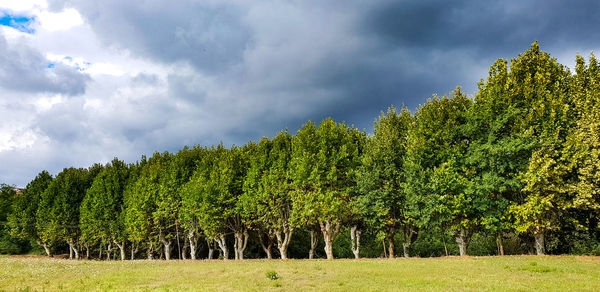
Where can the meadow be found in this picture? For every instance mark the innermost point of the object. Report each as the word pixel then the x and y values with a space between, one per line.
pixel 508 273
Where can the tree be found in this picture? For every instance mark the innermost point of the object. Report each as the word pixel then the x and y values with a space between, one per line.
pixel 215 190
pixel 383 202
pixel 102 208
pixel 58 210
pixel 267 200
pixel 539 88
pixel 168 203
pixel 196 214
pixel 324 160
pixel 438 181
pixel 23 220
pixel 141 203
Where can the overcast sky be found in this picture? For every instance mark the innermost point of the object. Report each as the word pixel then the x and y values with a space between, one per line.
pixel 86 81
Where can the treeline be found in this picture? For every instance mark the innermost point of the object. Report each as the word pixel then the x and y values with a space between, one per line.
pixel 520 162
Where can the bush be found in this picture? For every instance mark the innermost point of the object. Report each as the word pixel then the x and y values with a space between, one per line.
pixel 272 275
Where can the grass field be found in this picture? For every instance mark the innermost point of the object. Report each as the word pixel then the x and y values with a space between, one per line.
pixel 513 273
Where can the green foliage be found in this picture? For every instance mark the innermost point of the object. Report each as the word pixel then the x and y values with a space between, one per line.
pixel 272 275
pixel 382 201
pixel 58 212
pixel 519 162
pixel 102 208
pixel 324 160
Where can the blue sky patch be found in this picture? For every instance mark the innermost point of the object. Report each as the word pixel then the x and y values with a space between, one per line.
pixel 20 23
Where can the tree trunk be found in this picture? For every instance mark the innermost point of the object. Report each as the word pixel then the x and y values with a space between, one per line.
pixel 149 252
pixel 405 247
pixel 223 246
pixel 539 242
pixel 355 238
pixel 330 232
pixel 241 240
pixel 410 235
pixel 500 244
pixel 391 245
pixel 75 250
pixel 284 236
pixel 45 246
pixel 184 251
pixel 121 248
pixel 211 248
pixel 166 245
pixel 108 251
pixel 178 243
pixel 462 238
pixel 313 243
pixel 133 250
pixel 384 248
pixel 266 247
pixel 87 252
pixel 70 250
pixel 193 239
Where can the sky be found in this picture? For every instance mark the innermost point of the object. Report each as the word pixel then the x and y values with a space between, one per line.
pixel 82 82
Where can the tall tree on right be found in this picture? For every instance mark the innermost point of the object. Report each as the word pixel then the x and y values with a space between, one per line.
pixel 532 97
pixel 582 150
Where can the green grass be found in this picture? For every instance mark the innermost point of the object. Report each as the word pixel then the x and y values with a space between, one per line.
pixel 510 273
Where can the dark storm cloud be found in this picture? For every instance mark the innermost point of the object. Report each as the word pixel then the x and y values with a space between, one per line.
pixel 485 27
pixel 242 70
pixel 293 61
pixel 24 69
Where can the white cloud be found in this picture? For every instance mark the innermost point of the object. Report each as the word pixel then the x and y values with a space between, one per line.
pixel 23 5
pixel 63 20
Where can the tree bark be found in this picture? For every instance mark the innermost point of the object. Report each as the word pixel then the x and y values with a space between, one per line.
pixel 330 232
pixel 500 244
pixel 391 245
pixel 211 248
pixel 462 238
pixel 410 235
pixel 133 250
pixel 149 252
pixel 223 246
pixel 45 246
pixel 540 248
pixel 193 239
pixel 355 238
pixel 166 245
pixel 70 250
pixel 108 251
pixel 313 243
pixel 87 252
pixel 121 248
pixel 73 250
pixel 268 246
pixel 184 251
pixel 284 236
pixel 241 240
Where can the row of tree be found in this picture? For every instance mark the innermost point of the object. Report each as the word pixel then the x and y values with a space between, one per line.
pixel 523 157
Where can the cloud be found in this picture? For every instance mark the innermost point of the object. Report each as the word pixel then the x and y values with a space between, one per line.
pixel 158 76
pixel 24 69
